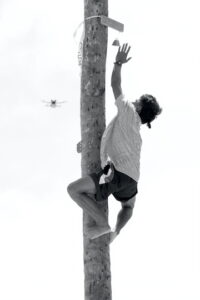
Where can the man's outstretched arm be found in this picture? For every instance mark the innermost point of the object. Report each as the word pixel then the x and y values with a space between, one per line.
pixel 121 58
pixel 116 80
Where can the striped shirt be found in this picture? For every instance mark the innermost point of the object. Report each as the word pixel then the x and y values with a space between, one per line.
pixel 121 142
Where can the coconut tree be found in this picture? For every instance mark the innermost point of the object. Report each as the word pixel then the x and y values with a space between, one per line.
pixel 94 50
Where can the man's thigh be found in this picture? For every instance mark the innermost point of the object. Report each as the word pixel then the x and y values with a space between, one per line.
pixel 83 185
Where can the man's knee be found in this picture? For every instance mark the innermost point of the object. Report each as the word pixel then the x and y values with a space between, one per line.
pixel 72 188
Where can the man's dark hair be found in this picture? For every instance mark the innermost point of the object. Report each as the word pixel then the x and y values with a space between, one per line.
pixel 150 109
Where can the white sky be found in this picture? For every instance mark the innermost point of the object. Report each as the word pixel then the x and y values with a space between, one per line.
pixel 157 255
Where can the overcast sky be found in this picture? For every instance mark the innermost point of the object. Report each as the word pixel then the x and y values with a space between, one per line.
pixel 156 256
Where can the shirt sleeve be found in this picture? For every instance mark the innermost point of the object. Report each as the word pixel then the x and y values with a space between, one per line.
pixel 127 111
pixel 125 106
pixel 120 102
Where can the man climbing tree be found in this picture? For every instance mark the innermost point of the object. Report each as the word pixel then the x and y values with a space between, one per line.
pixel 120 158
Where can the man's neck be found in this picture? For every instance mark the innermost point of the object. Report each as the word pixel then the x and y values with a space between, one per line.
pixel 137 106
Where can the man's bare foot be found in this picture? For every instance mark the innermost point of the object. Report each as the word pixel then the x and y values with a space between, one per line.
pixel 96 231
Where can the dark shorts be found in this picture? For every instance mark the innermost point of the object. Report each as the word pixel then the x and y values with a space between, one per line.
pixel 122 187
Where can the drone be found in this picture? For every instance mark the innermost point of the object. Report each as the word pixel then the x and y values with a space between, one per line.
pixel 53 103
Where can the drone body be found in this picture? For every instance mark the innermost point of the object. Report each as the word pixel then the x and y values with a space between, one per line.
pixel 53 103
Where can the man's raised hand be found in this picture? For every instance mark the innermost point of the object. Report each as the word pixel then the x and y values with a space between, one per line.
pixel 122 54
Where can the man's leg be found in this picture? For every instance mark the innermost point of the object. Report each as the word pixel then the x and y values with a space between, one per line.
pixel 82 191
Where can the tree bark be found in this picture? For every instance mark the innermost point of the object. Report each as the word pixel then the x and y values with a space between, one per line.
pixel 96 252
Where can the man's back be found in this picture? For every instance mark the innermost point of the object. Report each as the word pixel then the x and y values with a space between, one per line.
pixel 121 141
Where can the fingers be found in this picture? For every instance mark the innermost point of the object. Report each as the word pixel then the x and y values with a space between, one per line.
pixel 129 48
pixel 122 53
pixel 125 48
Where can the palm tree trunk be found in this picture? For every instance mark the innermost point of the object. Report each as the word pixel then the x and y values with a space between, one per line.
pixel 96 252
